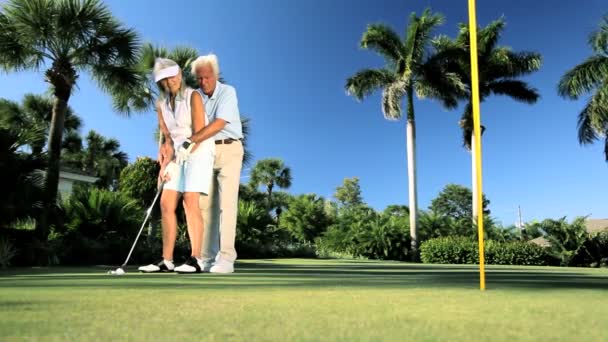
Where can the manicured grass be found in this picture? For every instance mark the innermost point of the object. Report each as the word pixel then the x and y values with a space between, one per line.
pixel 307 300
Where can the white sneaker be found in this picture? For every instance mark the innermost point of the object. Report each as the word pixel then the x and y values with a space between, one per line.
pixel 222 267
pixel 161 266
pixel 190 266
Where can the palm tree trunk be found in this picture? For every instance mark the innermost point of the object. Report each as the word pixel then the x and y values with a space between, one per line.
pixel 474 177
pixel 52 173
pixel 269 190
pixel 411 173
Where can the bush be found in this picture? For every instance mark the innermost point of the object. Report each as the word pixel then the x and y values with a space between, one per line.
pixel 464 250
pixel 567 239
pixel 449 250
pixel 99 228
pixel 29 250
pixel 306 218
pixel 517 253
pixel 362 232
pixel 594 252
pixel 257 235
pixel 7 252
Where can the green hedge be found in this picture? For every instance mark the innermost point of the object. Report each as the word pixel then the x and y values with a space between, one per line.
pixel 464 250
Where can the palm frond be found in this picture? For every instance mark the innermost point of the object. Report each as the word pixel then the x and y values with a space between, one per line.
pixel 15 53
pixel 502 62
pixel 468 126
pixel 586 131
pixel 488 36
pixel 517 90
pixel 366 81
pixel 392 95
pixel 127 87
pixel 448 90
pixel 72 142
pixel 436 81
pixel 584 77
pixel 246 128
pixel 418 34
pixel 598 40
pixel 183 56
pixel 384 40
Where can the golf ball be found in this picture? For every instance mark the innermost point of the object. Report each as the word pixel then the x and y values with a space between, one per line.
pixel 118 271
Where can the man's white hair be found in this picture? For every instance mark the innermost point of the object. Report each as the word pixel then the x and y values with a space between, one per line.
pixel 209 59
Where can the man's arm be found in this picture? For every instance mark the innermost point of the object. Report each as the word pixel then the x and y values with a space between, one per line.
pixel 227 111
pixel 208 131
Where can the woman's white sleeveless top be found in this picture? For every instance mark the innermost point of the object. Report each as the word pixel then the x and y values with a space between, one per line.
pixel 179 121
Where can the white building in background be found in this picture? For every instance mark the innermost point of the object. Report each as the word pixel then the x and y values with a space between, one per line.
pixel 68 177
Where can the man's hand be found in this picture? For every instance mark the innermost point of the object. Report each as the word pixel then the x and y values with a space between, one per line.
pixel 183 152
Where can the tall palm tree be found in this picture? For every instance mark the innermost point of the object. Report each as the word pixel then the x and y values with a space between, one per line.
pixel 270 173
pixel 67 37
pixel 409 68
pixel 499 70
pixel 591 76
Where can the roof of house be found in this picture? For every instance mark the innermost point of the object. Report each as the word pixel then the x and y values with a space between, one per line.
pixel 541 241
pixel 596 225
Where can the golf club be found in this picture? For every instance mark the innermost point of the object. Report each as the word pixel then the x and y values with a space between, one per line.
pixel 121 269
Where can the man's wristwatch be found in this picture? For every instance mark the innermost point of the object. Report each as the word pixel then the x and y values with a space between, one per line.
pixel 187 144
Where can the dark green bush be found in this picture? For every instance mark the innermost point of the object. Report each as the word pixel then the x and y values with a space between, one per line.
pixel 464 250
pixel 449 250
pixel 362 232
pixel 594 252
pixel 517 253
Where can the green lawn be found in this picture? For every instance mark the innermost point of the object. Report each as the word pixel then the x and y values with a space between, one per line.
pixel 307 300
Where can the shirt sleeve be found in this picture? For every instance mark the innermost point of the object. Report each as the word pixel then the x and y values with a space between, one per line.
pixel 227 107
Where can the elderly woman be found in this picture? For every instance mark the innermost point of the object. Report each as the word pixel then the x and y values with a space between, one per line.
pixel 188 176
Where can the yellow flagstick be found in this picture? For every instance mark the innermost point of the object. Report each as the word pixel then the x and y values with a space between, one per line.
pixel 477 132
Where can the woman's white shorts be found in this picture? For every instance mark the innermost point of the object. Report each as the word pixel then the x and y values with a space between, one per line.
pixel 194 175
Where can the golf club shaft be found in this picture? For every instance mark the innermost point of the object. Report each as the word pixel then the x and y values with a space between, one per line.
pixel 148 212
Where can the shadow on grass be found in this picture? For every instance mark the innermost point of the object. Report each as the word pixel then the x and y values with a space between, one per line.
pixel 276 275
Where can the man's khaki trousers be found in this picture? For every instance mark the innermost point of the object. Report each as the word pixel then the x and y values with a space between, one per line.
pixel 219 209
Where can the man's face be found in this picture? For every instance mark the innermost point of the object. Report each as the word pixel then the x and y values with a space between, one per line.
pixel 206 79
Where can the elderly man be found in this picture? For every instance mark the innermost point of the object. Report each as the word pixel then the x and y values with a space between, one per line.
pixel 219 209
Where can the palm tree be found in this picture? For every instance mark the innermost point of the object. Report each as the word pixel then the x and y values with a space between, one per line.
pixel 67 37
pixel 499 71
pixel 591 76
pixel 102 156
pixel 271 172
pixel 409 68
pixel 34 114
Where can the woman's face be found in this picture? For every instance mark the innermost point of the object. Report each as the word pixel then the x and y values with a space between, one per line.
pixel 172 84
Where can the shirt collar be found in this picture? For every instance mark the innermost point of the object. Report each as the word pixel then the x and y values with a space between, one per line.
pixel 218 85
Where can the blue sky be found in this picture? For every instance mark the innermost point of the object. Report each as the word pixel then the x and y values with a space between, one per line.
pixel 289 60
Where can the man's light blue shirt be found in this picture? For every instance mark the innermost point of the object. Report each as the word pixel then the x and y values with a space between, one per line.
pixel 223 104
